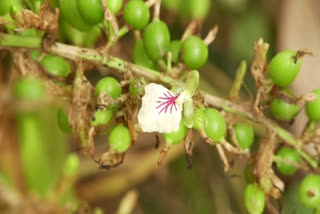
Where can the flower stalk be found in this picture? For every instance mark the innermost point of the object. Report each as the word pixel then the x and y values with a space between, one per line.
pixel 122 66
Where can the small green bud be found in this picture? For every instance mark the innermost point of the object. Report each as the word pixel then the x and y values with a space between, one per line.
pixel 188 113
pixel 35 54
pixel 177 136
pixel 192 83
pixel 137 86
pixel 266 184
pixel 63 121
pixel 254 198
pixel 29 89
pixel 13 11
pixel 200 120
pixel 71 165
pixel 101 117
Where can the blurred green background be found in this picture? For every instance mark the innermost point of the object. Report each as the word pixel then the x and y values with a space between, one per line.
pixel 171 188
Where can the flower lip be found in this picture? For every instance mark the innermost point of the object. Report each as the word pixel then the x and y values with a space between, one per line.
pixel 161 109
pixel 167 101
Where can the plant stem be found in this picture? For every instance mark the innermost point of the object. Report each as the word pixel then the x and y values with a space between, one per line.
pixel 122 66
pixel 308 158
pixel 125 29
pixel 241 72
pixel 10 40
pixel 309 131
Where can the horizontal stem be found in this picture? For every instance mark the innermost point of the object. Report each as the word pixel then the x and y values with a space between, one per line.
pixel 122 66
pixel 11 40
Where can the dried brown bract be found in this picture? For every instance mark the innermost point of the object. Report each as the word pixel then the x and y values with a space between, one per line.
pixel 110 159
pixel 80 109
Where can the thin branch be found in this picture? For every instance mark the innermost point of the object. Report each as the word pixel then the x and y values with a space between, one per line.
pixel 211 35
pixel 241 72
pixel 192 28
pixel 156 13
pixel 122 66
pixel 223 157
pixel 150 3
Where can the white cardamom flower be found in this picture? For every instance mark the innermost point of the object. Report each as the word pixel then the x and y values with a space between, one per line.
pixel 161 109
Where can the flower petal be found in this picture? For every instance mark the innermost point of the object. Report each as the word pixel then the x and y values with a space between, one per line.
pixel 159 111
